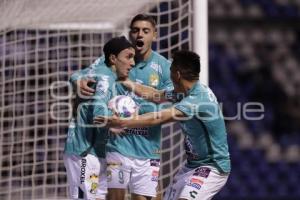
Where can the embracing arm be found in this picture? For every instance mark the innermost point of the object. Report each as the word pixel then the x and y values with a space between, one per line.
pixel 145 120
pixel 81 80
pixel 145 92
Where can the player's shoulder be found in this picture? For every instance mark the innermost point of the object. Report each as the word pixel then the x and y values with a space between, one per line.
pixel 98 63
pixel 160 58
pixel 103 69
pixel 201 92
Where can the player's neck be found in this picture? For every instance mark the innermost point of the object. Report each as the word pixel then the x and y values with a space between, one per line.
pixel 113 68
pixel 187 85
pixel 143 57
pixel 147 55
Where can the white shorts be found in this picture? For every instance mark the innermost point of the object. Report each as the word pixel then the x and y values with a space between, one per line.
pixel 87 175
pixel 194 184
pixel 140 176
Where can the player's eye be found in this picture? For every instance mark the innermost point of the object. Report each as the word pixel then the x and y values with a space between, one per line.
pixel 134 30
pixel 130 56
pixel 146 30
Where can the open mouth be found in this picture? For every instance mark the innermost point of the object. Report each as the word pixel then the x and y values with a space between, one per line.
pixel 139 44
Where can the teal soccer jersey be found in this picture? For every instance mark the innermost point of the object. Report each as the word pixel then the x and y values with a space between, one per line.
pixel 144 143
pixel 83 137
pixel 205 133
pixel 140 142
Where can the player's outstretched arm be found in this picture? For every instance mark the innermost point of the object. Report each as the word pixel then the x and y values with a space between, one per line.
pixel 145 120
pixel 146 92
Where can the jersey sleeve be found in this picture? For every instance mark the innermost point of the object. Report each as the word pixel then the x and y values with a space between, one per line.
pixel 187 106
pixel 203 106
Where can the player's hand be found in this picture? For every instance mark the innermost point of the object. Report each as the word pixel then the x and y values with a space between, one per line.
pixel 117 131
pixel 83 85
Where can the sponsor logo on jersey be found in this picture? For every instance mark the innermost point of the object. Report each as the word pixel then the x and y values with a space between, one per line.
pixel 113 164
pixel 153 80
pixel 195 183
pixel 154 162
pixel 155 174
pixel 82 170
pixel 137 131
pixel 93 179
pixel 202 171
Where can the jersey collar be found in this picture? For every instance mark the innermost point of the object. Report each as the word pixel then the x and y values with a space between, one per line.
pixel 193 88
pixel 143 63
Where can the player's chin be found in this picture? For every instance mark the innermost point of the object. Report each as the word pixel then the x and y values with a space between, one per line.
pixel 143 51
pixel 139 49
pixel 123 76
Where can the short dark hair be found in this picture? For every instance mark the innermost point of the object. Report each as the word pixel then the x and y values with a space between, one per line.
pixel 187 63
pixel 143 17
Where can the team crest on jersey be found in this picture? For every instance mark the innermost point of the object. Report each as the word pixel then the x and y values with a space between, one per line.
pixel 156 67
pixel 94 180
pixel 154 80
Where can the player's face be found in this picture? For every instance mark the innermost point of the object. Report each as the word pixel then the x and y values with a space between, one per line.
pixel 124 62
pixel 142 34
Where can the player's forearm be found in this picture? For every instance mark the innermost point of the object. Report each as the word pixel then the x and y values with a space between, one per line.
pixel 148 119
pixel 147 92
pixel 139 121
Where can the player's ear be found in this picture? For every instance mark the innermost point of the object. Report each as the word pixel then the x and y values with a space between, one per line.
pixel 155 35
pixel 112 59
pixel 178 74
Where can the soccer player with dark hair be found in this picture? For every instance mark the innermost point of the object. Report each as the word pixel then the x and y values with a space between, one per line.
pixel 196 108
pixel 133 158
pixel 85 147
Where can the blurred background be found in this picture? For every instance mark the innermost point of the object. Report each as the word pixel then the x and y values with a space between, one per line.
pixel 254 48
pixel 254 57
